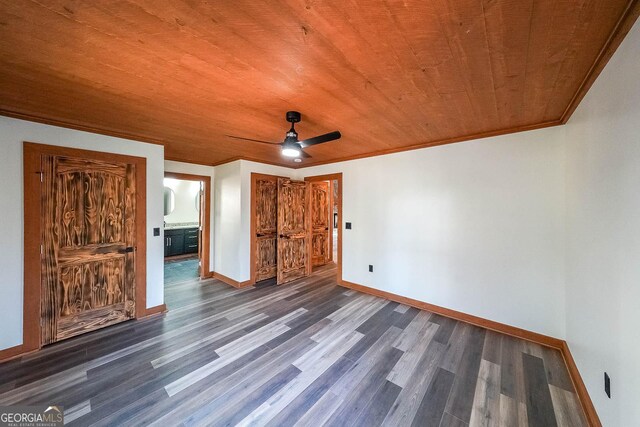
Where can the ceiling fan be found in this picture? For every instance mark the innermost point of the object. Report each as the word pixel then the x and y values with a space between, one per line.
pixel 291 147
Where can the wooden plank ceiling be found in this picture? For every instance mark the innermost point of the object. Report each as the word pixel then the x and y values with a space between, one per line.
pixel 390 74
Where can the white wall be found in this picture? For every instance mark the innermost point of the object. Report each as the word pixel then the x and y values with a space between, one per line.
pixel 186 208
pixel 603 236
pixel 227 227
pixel 475 226
pixel 12 134
pixel 193 169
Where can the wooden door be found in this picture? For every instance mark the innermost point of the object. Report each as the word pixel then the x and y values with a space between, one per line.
pixel 320 223
pixel 266 200
pixel 294 261
pixel 88 245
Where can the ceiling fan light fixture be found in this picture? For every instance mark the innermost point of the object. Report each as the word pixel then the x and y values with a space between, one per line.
pixel 290 152
pixel 291 149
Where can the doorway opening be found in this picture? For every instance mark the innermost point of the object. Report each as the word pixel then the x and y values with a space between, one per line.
pixel 187 219
pixel 326 237
pixel 295 227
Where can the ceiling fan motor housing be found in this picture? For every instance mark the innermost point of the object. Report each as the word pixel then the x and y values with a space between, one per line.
pixel 293 116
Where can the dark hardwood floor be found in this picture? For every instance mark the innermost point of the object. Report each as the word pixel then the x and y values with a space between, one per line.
pixel 308 353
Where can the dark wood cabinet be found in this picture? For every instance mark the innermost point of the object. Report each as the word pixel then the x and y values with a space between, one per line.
pixel 181 241
pixel 191 238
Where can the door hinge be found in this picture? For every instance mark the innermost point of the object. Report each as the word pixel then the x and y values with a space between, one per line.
pixel 41 176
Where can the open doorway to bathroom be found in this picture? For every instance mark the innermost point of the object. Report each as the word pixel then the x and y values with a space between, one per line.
pixel 187 212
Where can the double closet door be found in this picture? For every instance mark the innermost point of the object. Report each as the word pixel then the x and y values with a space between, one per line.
pixel 284 231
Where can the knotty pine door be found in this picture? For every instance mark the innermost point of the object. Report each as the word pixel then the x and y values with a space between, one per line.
pixel 266 202
pixel 294 234
pixel 320 222
pixel 88 245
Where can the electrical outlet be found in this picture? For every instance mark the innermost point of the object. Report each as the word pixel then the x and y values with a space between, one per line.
pixel 347 226
pixel 156 231
pixel 370 268
pixel 607 385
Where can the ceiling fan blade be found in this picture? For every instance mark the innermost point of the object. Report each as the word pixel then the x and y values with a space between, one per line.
pixel 320 139
pixel 304 155
pixel 254 140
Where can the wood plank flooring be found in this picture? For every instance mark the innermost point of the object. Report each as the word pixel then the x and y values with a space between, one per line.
pixel 308 353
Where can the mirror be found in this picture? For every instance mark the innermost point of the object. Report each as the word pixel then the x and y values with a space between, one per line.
pixel 169 201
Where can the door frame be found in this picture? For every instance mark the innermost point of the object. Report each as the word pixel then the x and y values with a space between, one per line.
pixel 205 271
pixel 32 210
pixel 332 177
pixel 253 243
